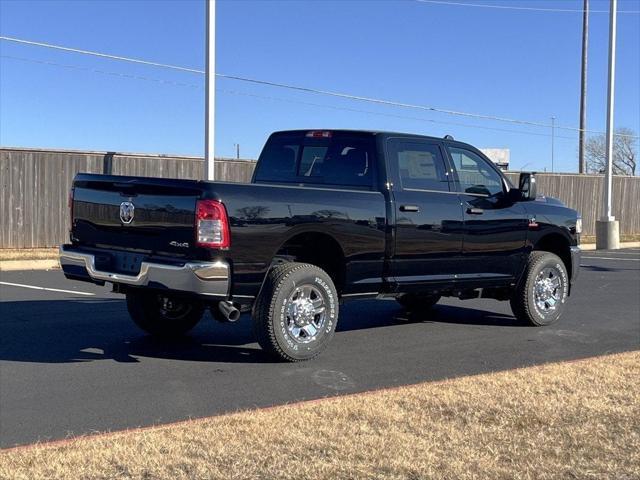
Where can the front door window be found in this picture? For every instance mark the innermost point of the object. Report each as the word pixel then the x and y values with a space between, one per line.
pixel 476 176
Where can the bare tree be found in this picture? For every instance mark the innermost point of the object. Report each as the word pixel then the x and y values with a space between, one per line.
pixel 252 213
pixel 625 156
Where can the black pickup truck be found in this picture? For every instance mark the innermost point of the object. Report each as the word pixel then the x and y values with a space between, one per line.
pixel 330 215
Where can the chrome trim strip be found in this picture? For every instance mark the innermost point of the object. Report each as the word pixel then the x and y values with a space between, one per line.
pixel 443 191
pixel 475 194
pixel 430 191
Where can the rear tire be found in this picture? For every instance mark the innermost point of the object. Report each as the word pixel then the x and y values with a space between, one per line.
pixel 296 313
pixel 541 295
pixel 415 303
pixel 163 315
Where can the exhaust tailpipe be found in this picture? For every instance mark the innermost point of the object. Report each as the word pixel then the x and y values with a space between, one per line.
pixel 228 311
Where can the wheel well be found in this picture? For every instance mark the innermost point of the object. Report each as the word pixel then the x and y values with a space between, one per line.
pixel 558 245
pixel 318 249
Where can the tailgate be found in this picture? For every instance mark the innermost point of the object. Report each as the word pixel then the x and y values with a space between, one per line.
pixel 145 215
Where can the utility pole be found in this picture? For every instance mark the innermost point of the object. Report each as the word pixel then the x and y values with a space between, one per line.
pixel 607 228
pixel 553 140
pixel 237 145
pixel 582 168
pixel 210 91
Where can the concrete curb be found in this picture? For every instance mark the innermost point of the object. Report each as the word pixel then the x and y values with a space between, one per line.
pixel 592 246
pixel 53 264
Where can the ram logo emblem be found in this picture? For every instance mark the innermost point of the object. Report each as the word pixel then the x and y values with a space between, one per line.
pixel 127 210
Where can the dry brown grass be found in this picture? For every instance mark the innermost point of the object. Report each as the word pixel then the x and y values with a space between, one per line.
pixel 624 237
pixel 567 420
pixel 28 253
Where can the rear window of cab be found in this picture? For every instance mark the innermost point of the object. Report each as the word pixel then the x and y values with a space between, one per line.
pixel 319 157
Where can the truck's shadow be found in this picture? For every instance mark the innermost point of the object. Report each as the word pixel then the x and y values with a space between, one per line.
pixel 82 330
pixel 459 315
pixel 600 268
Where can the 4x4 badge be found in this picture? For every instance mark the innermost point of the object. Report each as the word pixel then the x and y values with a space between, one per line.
pixel 127 210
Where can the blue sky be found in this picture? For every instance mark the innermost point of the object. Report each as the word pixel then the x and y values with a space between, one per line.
pixel 507 63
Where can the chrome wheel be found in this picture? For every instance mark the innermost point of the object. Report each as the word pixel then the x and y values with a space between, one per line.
pixel 548 290
pixel 305 314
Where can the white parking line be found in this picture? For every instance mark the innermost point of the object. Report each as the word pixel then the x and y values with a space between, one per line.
pixel 618 253
pixel 616 258
pixel 33 287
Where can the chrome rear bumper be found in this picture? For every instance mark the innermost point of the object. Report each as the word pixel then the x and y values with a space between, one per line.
pixel 202 278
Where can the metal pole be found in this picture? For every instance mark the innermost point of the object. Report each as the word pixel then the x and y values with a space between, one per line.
pixel 553 140
pixel 210 91
pixel 582 168
pixel 606 213
pixel 608 228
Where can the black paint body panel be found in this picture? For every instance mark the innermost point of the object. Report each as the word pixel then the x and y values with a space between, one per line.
pixel 263 217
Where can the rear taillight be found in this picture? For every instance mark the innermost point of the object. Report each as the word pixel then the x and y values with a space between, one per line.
pixel 70 206
pixel 212 225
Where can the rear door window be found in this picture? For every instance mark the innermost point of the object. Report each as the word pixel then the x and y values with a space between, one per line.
pixel 420 165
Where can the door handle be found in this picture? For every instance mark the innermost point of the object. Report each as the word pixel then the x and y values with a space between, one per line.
pixel 475 211
pixel 409 208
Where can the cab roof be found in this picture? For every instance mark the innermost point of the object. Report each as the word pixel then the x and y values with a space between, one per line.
pixel 383 133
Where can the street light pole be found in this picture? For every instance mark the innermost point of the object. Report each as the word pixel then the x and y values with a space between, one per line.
pixel 583 87
pixel 553 140
pixel 210 91
pixel 608 229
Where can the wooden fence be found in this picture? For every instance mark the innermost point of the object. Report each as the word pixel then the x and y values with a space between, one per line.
pixel 585 194
pixel 35 183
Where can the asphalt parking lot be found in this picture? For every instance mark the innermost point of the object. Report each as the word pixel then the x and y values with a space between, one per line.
pixel 71 361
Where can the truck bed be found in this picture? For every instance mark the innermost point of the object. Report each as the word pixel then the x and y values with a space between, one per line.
pixel 262 218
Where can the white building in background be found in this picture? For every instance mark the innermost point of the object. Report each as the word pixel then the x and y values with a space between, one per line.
pixel 499 156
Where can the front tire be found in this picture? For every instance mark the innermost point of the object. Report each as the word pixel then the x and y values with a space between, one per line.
pixel 163 315
pixel 540 297
pixel 296 313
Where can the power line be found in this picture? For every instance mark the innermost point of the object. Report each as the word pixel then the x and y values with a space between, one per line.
pixel 380 101
pixel 266 97
pixel 404 117
pixel 512 7
pixel 98 54
pixel 403 105
pixel 306 89
pixel 102 72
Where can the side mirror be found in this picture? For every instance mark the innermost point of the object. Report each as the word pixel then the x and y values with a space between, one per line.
pixel 527 186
